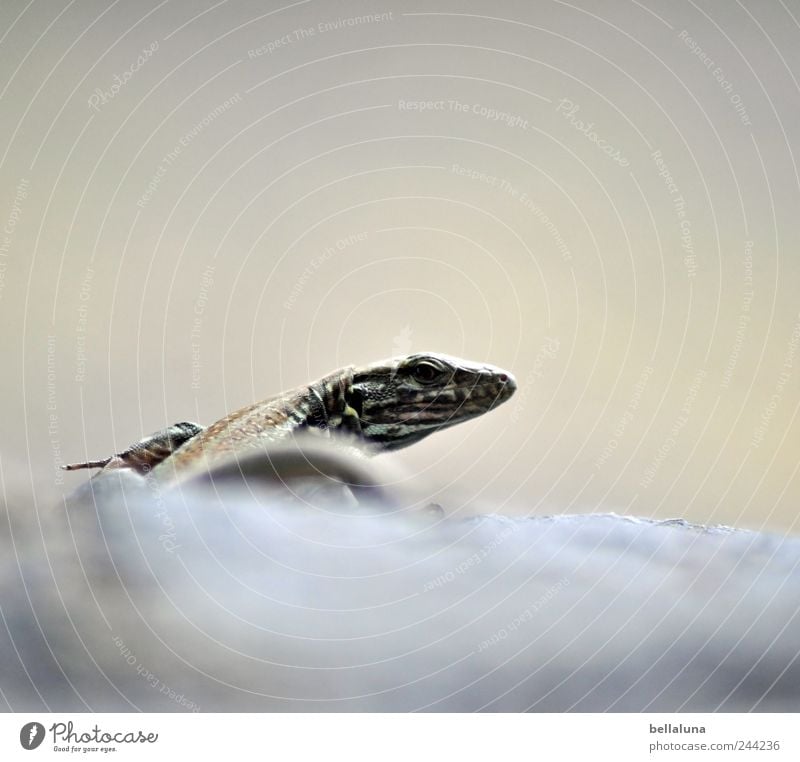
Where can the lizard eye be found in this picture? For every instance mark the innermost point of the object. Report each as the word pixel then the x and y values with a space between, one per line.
pixel 426 372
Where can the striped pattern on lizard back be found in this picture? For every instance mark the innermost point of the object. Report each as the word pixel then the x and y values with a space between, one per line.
pixel 382 406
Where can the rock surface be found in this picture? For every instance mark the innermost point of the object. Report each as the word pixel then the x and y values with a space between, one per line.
pixel 219 598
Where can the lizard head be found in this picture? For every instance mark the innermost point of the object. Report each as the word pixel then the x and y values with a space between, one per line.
pixel 404 399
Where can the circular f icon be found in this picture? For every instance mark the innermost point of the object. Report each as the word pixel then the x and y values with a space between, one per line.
pixel 31 735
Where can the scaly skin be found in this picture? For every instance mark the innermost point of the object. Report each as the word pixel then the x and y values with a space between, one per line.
pixel 383 406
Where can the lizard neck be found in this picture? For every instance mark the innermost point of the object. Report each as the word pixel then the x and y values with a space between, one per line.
pixel 327 402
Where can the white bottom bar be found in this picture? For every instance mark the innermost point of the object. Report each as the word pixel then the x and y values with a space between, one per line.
pixel 403 737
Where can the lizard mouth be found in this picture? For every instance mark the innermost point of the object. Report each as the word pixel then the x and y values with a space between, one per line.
pixel 506 388
pixel 442 412
pixel 491 393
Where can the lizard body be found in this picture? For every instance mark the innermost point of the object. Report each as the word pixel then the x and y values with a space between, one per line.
pixel 383 406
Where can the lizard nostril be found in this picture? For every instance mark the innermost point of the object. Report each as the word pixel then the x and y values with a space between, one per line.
pixel 503 377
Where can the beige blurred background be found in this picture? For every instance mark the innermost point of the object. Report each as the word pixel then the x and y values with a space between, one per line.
pixel 203 203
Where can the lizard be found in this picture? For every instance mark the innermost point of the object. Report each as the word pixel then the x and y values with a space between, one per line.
pixel 381 407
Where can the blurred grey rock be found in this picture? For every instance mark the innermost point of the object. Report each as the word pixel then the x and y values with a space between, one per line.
pixel 221 597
